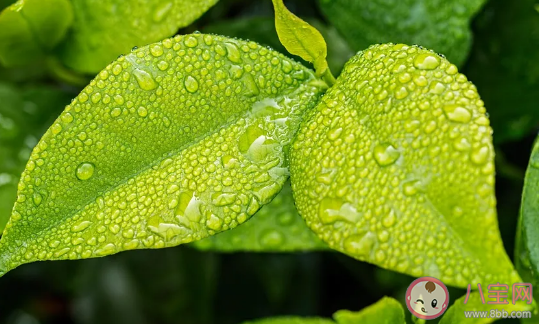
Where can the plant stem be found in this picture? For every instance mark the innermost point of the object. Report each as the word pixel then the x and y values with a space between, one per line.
pixel 328 77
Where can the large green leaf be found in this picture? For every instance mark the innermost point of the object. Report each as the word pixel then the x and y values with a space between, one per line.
pixel 503 65
pixel 24 117
pixel 174 142
pixel 102 30
pixel 276 227
pixel 442 25
pixel 527 241
pixel 395 167
pixel 31 28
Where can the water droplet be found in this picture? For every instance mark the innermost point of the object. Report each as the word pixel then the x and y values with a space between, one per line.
pixel 191 84
pixel 80 226
pixel 251 89
pixel 334 209
pixel 360 245
pixel 85 171
pixel 390 219
pixel 214 223
pixel 457 114
pixel 188 208
pixel 168 231
pixel 410 188
pixel 156 50
pixel 271 239
pixel 191 41
pixel 426 61
pixel 106 250
pixel 37 199
pixel 142 112
pixel 233 53
pixel 224 199
pixel 385 154
pixel 401 93
pixel 144 80
pixel 480 155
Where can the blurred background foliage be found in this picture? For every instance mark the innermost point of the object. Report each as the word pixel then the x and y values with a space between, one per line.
pixel 496 44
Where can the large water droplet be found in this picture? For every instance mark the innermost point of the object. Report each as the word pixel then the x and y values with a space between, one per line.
pixel 334 209
pixel 144 80
pixel 191 84
pixel 426 61
pixel 480 155
pixel 188 209
pixel 385 154
pixel 233 53
pixel 360 245
pixel 457 114
pixel 85 171
pixel 251 89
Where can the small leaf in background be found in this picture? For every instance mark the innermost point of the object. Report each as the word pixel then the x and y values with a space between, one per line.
pixel 30 29
pixel 386 311
pixel 276 227
pixel 174 142
pixel 300 38
pixel 503 65
pixel 262 30
pixel 527 240
pixel 460 312
pixel 291 320
pixel 25 115
pixel 395 167
pixel 102 30
pixel 442 25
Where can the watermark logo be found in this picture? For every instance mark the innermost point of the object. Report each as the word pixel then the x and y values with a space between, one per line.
pixel 427 298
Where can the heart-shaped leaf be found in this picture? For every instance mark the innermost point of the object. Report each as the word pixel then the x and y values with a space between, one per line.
pixel 395 167
pixel 31 28
pixel 276 227
pixel 174 142
pixel 102 30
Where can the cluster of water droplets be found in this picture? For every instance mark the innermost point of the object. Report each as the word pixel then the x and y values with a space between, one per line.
pixel 174 142
pixel 395 166
pixel 276 227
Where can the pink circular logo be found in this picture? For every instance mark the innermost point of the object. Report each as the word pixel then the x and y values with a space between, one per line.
pixel 427 298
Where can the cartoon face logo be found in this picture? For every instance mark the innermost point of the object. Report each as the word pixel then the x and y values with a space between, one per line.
pixel 427 298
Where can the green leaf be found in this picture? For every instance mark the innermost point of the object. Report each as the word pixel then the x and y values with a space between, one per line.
pixel 276 227
pixel 527 240
pixel 262 30
pixel 24 117
pixel 442 25
pixel 464 313
pixel 105 29
pixel 395 167
pixel 172 143
pixel 300 38
pixel 503 65
pixel 291 320
pixel 386 311
pixel 31 28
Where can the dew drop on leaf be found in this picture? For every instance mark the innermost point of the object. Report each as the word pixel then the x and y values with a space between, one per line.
pixel 85 171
